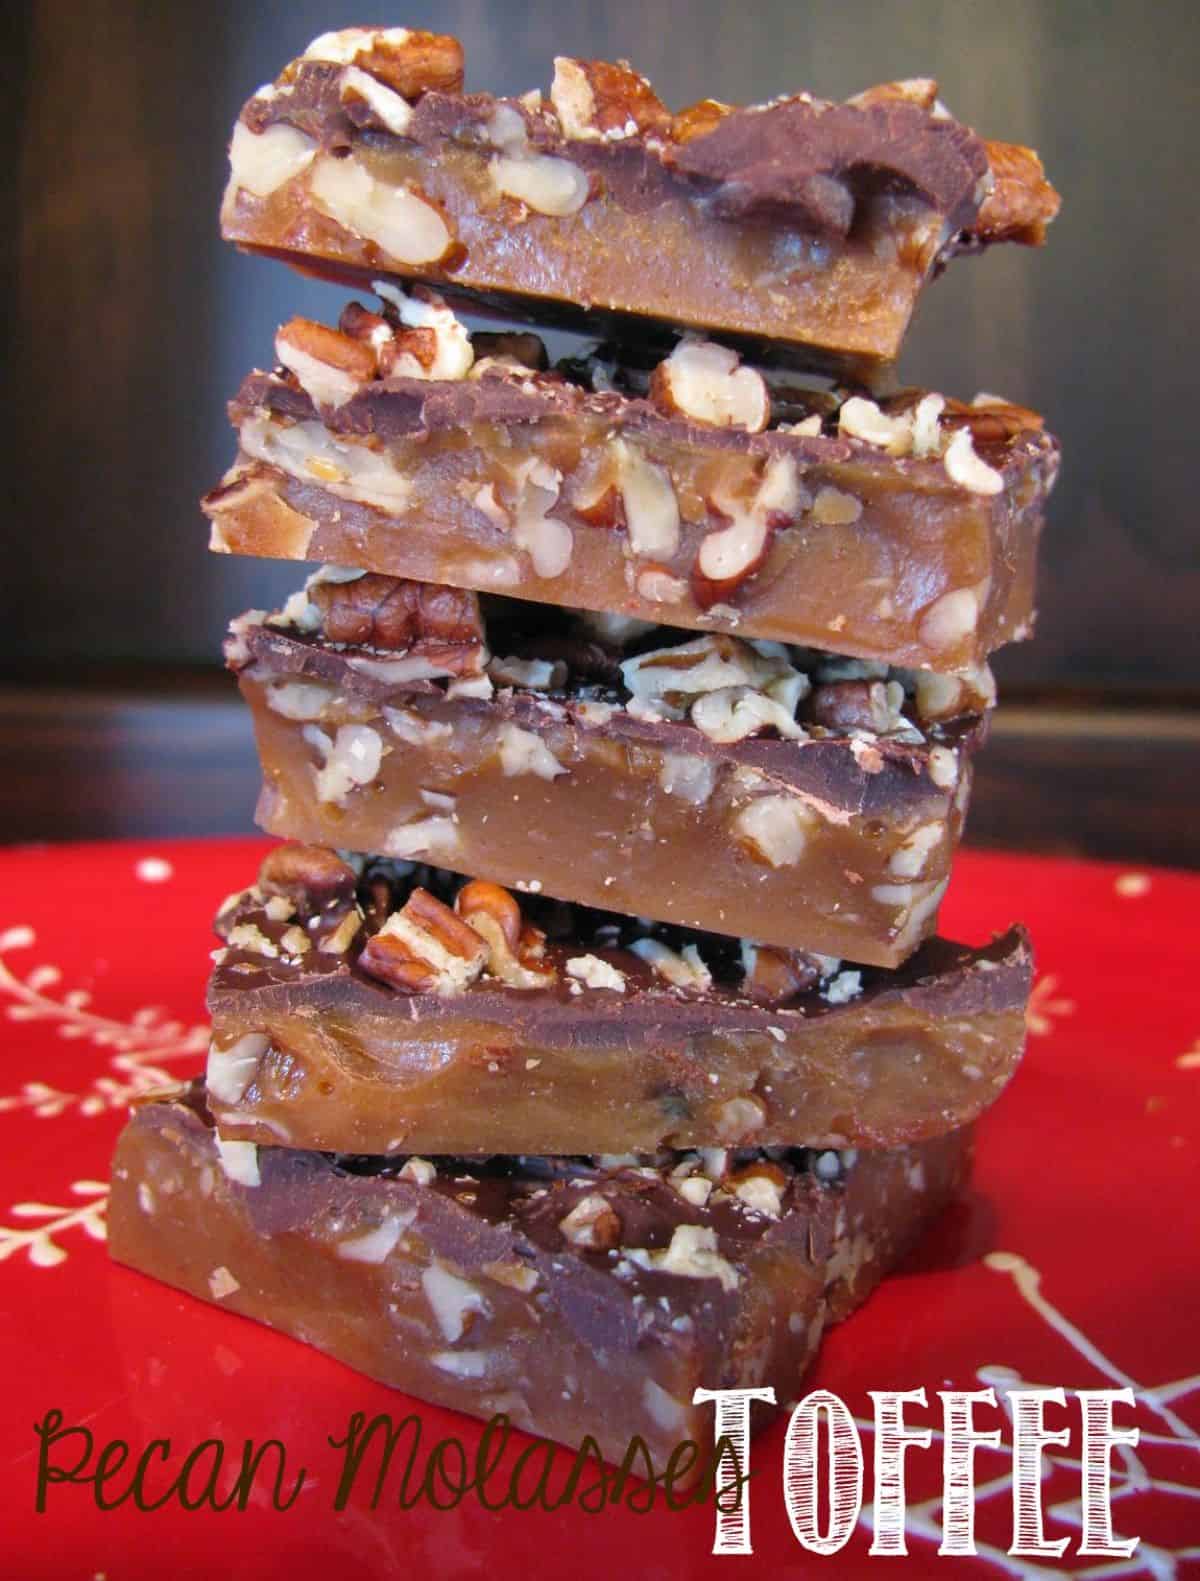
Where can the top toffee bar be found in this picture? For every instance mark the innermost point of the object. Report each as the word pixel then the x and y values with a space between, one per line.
pixel 799 223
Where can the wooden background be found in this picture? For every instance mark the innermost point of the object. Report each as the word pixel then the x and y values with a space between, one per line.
pixel 130 325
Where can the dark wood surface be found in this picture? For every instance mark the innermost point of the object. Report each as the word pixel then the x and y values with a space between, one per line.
pixel 117 760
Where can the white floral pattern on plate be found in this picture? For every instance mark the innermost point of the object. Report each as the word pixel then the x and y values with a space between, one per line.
pixel 141 1045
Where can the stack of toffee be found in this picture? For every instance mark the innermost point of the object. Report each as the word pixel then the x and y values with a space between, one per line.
pixel 590 1043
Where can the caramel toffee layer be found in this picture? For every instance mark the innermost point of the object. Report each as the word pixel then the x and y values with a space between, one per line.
pixel 694 491
pixel 592 758
pixel 383 1007
pixel 525 1285
pixel 799 221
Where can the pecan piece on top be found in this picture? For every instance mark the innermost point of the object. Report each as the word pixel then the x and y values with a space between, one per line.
pixel 335 347
pixel 389 612
pixel 698 119
pixel 921 91
pixel 992 420
pixel 425 948
pixel 311 877
pixel 514 947
pixel 521 346
pixel 420 63
pixel 1021 203
pixel 598 98
pixel 857 705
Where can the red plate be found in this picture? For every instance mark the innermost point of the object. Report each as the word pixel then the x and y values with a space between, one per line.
pixel 1072 1264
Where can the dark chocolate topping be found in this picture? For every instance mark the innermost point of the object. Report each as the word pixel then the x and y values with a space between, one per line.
pixel 818 162
pixel 799 161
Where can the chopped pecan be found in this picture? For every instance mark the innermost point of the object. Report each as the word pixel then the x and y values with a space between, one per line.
pixel 422 63
pixel 698 119
pixel 425 948
pixel 760 1186
pixel 730 556
pixel 707 590
pixel 360 323
pixel 389 612
pixel 592 1224
pixel 706 382
pixel 1021 203
pixel 775 976
pixel 921 91
pixel 427 339
pixel 513 947
pixel 856 705
pixel 595 98
pixel 420 343
pixel 328 366
pixel 310 876
pixel 516 345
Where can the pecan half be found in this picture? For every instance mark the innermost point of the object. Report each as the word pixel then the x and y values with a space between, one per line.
pixel 329 367
pixel 330 346
pixel 424 948
pixel 360 323
pixel 389 612
pixel 310 876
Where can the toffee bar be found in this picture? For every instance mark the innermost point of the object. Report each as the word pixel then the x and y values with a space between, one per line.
pixel 594 759
pixel 530 1286
pixel 694 491
pixel 799 221
pixel 397 1009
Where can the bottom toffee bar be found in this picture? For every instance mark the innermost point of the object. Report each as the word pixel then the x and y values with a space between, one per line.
pixel 578 1296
